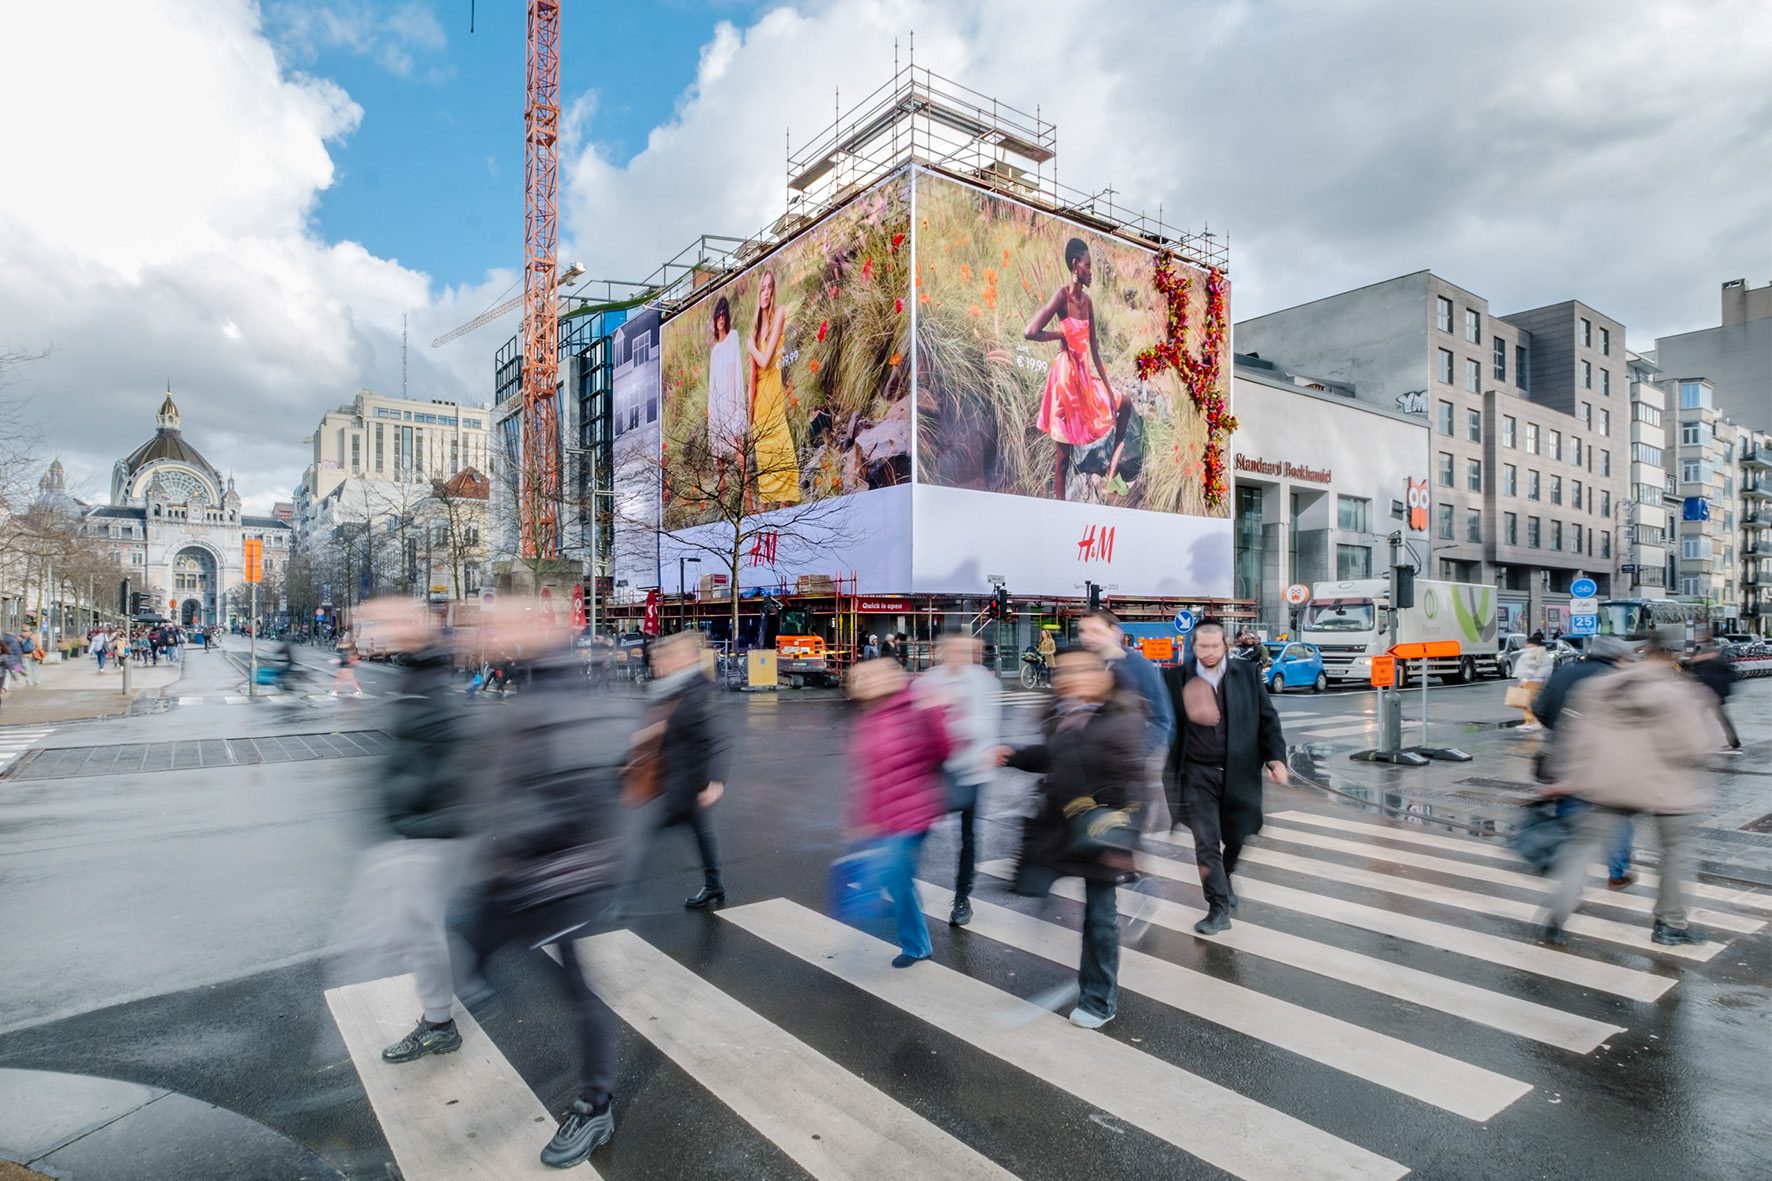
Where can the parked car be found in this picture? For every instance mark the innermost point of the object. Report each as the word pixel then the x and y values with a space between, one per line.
pixel 1295 665
pixel 1561 650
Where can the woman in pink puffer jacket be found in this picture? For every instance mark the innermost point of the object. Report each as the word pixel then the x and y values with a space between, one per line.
pixel 898 747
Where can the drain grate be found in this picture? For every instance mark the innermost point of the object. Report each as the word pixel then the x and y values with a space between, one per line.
pixel 79 762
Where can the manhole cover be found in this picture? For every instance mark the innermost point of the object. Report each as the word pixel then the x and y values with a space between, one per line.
pixel 79 762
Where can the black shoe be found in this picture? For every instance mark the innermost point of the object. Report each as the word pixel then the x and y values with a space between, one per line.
pixel 1554 935
pixel 1217 919
pixel 962 913
pixel 1676 936
pixel 582 1132
pixel 708 897
pixel 425 1039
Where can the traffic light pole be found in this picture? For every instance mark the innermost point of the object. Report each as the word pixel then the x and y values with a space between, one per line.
pixel 252 680
pixel 124 648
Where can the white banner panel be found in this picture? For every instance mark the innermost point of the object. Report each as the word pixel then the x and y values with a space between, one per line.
pixel 867 533
pixel 1049 547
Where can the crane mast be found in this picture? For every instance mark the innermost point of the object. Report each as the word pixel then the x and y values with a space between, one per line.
pixel 539 491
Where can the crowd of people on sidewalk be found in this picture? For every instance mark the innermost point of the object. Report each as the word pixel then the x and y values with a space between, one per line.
pixel 534 825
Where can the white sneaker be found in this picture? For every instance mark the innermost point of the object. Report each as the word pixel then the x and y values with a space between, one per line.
pixel 1084 1019
pixel 1528 727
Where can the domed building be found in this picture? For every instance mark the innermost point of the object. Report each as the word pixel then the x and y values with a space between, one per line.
pixel 176 527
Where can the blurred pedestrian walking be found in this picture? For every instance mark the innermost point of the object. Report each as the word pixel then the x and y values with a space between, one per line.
pixel 1092 762
pixel 970 698
pixel 897 750
pixel 1712 668
pixel 1228 732
pixel 1531 671
pixel 1604 654
pixel 1631 742
pixel 347 669
pixel 680 754
pixel 1101 633
pixel 553 842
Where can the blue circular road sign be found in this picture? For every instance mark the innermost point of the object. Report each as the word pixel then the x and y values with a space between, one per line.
pixel 1184 622
pixel 1584 588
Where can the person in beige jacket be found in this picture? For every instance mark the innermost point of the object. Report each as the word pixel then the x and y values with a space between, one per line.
pixel 1633 742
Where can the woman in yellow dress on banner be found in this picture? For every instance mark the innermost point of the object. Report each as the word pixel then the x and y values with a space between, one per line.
pixel 776 463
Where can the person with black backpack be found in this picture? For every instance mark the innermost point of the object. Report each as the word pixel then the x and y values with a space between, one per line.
pixel 1712 668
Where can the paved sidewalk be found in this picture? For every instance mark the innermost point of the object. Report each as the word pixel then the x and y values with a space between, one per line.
pixel 73 690
pixel 1483 795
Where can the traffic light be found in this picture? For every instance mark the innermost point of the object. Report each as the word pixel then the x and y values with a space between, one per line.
pixel 1094 589
pixel 123 603
pixel 1000 608
pixel 1403 578
pixel 141 603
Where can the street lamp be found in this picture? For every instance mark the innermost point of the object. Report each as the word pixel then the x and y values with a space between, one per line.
pixel 682 588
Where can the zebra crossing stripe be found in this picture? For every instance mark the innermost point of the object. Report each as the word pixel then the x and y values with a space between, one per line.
pixel 1378 1058
pixel 1628 934
pixel 466 1115
pixel 1213 1123
pixel 1744 899
pixel 832 1123
pixel 1498 876
pixel 1513 1015
pixel 1631 983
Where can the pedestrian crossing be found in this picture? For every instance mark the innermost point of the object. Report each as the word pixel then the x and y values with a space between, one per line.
pixel 1386 984
pixel 16 741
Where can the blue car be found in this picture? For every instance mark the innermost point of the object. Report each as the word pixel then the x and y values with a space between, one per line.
pixel 1294 665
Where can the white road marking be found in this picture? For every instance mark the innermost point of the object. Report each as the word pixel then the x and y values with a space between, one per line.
pixel 1216 1124
pixel 1510 1014
pixel 828 1121
pixel 464 1115
pixel 1378 1058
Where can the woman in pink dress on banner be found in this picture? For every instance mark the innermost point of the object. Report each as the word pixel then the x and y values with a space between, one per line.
pixel 1079 407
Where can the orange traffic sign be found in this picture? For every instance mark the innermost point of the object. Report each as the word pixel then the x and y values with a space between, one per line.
pixel 1425 651
pixel 1384 671
pixel 255 559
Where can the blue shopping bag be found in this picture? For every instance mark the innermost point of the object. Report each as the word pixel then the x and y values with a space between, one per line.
pixel 856 888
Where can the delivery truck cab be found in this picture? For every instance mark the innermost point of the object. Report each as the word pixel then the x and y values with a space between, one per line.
pixel 1347 622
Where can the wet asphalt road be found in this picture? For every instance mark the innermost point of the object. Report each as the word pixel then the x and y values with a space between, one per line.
pixel 168 928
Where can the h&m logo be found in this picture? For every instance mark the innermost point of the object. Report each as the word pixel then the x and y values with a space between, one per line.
pixel 763 547
pixel 1096 544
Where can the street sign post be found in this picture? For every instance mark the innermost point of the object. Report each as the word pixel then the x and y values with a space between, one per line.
pixel 1584 625
pixel 1184 621
pixel 255 573
pixel 1584 588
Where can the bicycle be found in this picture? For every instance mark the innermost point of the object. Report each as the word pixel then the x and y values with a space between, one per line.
pixel 1035 672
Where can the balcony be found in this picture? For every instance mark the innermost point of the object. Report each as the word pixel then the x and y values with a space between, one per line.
pixel 1760 578
pixel 1759 519
pixel 1757 459
pixel 1757 491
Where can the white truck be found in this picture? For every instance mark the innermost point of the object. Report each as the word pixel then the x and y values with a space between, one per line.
pixel 1346 621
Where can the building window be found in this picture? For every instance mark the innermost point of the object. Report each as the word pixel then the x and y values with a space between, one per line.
pixel 1473 525
pixel 1575 494
pixel 1445 470
pixel 1443 369
pixel 1691 471
pixel 1587 333
pixel 1556 535
pixel 1473 326
pixel 1520 366
pixel 1473 475
pixel 1353 514
pixel 1533 531
pixel 1606 504
pixel 1606 382
pixel 380 464
pixel 1473 425
pixel 1606 422
pixel 1500 359
pixel 1556 490
pixel 1646 454
pixel 1646 412
pixel 1443 314
pixel 1575 538
pixel 1508 426
pixel 1445 418
pixel 1353 561
pixel 1555 449
pixel 1575 451
pixel 1444 512
pixel 1473 375
pixel 356 453
pixel 1587 415
pixel 1510 480
pixel 1510 528
pixel 1531 485
pixel 1606 341
pixel 1691 395
pixel 1531 438
pixel 1689 586
pixel 1587 375
pixel 1689 434
pixel 1690 548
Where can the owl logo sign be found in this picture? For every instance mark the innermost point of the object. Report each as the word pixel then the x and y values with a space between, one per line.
pixel 1417 502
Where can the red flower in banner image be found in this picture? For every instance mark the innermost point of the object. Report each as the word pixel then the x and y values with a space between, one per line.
pixel 898 306
pixel 966 272
pixel 813 364
pixel 867 268
pixel 831 291
pixel 824 326
pixel 897 241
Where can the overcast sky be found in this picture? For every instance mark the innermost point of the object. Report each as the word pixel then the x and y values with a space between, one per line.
pixel 245 200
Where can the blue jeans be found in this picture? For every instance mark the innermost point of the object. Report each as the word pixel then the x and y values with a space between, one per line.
pixel 901 883
pixel 1618 855
pixel 1098 975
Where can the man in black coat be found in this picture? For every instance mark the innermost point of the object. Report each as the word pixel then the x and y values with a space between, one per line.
pixel 1227 731
pixel 691 751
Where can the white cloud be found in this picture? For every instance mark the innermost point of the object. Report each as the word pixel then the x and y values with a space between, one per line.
pixel 172 240
pixel 1530 152
pixel 394 38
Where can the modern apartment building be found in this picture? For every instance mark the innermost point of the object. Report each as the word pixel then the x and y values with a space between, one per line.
pixel 1736 356
pixel 1725 492
pixel 1651 510
pixel 1528 419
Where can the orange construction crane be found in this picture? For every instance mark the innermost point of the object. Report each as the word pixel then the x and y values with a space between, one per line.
pixel 539 495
